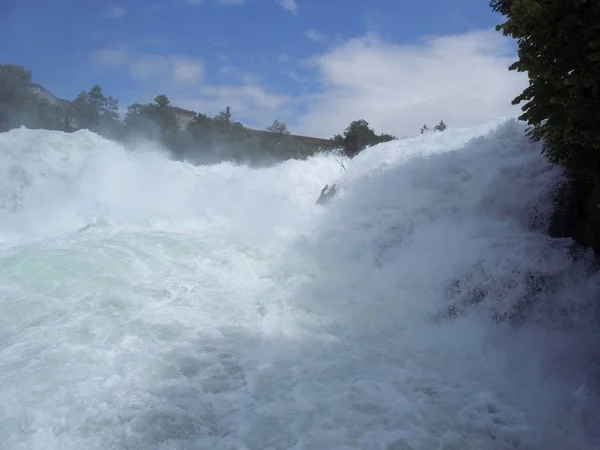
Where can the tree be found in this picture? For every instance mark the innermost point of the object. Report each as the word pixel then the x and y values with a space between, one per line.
pixel 156 121
pixel 278 127
pixel 440 126
pixel 97 112
pixel 337 141
pixel 501 6
pixel 357 136
pixel 14 94
pixel 162 112
pixel 23 103
pixel 209 138
pixel 559 48
pixel 222 122
pixel 162 102
pixel 106 107
pixel 219 139
pixel 17 104
pixel 201 129
pixel 385 137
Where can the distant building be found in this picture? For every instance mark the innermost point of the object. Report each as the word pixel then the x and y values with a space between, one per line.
pixel 184 116
pixel 70 111
pixel 41 92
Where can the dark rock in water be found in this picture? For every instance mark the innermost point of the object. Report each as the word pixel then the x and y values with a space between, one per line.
pixel 508 299
pixel 326 194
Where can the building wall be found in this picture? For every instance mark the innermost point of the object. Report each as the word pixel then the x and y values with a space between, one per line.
pixel 184 116
pixel 183 119
pixel 38 90
pixel 67 106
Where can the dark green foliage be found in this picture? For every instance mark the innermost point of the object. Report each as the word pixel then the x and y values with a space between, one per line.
pixel 97 112
pixel 385 137
pixel 559 48
pixel 277 143
pixel 220 139
pixel 155 121
pixel 501 6
pixel 201 129
pixel 278 127
pixel 440 126
pixel 204 140
pixel 337 141
pixel 358 136
pixel 14 93
pixel 280 142
pixel 46 115
pixel 19 106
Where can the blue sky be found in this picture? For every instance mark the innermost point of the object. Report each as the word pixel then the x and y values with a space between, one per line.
pixel 311 63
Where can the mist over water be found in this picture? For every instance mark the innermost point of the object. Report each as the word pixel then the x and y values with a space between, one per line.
pixel 151 304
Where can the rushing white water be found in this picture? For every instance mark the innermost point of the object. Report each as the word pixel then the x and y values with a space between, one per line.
pixel 151 304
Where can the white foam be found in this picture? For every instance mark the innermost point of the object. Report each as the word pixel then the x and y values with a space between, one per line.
pixel 151 304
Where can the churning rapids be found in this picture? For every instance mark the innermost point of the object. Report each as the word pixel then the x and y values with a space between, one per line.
pixel 153 304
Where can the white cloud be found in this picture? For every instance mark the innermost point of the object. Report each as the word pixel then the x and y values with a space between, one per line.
pixel 250 104
pixel 296 76
pixel 186 70
pixel 176 69
pixel 179 77
pixel 114 12
pixel 289 5
pixel 110 57
pixel 228 70
pixel 462 79
pixel 314 35
pixel 243 76
pixel 256 95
